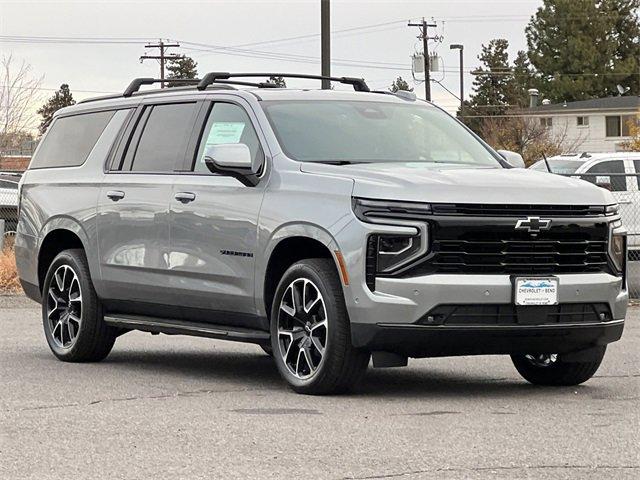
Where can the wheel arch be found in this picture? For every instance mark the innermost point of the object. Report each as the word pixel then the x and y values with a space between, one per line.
pixel 59 234
pixel 288 245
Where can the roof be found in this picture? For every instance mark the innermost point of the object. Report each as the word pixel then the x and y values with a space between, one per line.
pixel 597 156
pixel 609 103
pixel 120 101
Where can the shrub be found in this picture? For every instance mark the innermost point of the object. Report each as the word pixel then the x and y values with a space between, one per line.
pixel 8 274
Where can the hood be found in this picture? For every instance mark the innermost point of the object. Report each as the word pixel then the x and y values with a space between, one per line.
pixel 423 182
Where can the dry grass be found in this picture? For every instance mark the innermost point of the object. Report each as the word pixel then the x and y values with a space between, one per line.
pixel 8 274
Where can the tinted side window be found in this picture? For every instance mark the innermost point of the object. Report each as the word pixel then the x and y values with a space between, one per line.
pixel 164 139
pixel 618 182
pixel 636 166
pixel 70 140
pixel 227 123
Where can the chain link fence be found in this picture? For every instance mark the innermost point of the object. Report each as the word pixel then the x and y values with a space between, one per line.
pixel 8 205
pixel 625 188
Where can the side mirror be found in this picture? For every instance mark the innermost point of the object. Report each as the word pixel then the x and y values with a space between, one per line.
pixel 232 159
pixel 514 159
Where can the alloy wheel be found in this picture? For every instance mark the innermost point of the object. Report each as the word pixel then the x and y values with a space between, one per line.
pixel 302 328
pixel 542 360
pixel 64 306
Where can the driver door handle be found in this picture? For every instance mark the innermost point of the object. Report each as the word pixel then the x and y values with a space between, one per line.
pixel 185 197
pixel 115 195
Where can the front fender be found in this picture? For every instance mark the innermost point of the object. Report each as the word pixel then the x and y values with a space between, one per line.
pixel 289 230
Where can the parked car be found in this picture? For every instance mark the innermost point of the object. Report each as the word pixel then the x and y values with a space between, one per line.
pixel 617 172
pixel 326 226
pixel 9 200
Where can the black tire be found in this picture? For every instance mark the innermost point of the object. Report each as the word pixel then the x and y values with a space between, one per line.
pixel 94 338
pixel 342 366
pixel 558 373
pixel 267 349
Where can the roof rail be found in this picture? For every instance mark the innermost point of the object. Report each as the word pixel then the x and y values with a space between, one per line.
pixel 359 85
pixel 136 83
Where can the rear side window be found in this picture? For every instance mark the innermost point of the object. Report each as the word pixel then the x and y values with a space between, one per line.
pixel 164 137
pixel 70 140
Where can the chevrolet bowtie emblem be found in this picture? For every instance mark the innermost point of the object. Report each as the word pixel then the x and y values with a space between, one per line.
pixel 533 224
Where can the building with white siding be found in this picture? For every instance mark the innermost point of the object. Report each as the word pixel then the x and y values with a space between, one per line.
pixel 599 125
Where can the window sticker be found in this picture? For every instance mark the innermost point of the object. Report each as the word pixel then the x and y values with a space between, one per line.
pixel 225 132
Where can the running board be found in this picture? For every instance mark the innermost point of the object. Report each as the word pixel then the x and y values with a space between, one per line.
pixel 181 327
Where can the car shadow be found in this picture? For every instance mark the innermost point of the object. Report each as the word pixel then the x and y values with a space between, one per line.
pixel 246 370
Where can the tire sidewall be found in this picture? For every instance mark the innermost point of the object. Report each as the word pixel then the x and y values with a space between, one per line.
pixel 67 258
pixel 303 270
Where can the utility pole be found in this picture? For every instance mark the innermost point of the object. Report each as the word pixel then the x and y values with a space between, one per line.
pixel 325 41
pixel 424 36
pixel 163 57
pixel 460 47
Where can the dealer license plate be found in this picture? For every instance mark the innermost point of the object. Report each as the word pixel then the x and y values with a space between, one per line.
pixel 536 291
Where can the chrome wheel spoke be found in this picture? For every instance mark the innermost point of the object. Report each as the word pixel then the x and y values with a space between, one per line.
pixel 307 359
pixel 316 343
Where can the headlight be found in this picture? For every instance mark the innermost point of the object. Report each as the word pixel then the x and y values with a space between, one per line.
pixel 617 250
pixel 386 252
pixel 611 210
pixel 394 251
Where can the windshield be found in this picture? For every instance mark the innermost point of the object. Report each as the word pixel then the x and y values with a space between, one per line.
pixel 373 132
pixel 558 166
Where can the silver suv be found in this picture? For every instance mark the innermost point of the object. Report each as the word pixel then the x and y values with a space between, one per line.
pixel 326 226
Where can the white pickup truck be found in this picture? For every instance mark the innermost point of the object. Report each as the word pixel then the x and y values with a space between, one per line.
pixel 617 172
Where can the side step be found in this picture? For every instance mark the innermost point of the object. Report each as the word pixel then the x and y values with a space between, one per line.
pixel 181 327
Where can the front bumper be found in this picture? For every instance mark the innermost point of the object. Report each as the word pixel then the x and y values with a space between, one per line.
pixel 406 300
pixel 435 341
pixel 392 318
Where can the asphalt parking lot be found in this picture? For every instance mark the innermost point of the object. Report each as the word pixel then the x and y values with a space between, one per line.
pixel 181 407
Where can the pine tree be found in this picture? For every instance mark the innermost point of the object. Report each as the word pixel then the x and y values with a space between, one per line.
pixel 493 86
pixel 182 67
pixel 400 84
pixel 61 98
pixel 279 81
pixel 583 49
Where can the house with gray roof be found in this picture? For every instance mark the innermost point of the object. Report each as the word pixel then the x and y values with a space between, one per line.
pixel 597 125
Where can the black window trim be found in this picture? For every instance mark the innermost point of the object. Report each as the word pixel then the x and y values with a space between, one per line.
pixel 131 136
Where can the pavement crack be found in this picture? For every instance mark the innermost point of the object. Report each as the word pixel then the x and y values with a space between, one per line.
pixel 178 394
pixel 494 468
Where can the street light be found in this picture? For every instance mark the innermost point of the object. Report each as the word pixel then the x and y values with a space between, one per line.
pixel 458 46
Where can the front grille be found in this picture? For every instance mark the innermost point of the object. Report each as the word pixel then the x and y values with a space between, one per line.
pixel 506 314
pixel 495 210
pixel 499 248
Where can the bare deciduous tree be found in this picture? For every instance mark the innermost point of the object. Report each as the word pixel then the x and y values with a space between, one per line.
pixel 19 93
pixel 633 144
pixel 527 137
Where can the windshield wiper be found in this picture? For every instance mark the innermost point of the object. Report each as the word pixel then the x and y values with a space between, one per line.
pixel 340 162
